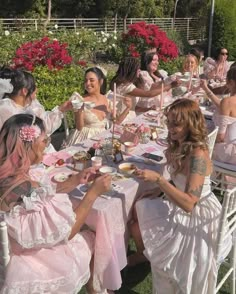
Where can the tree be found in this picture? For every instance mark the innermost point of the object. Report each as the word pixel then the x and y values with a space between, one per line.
pixel 224 30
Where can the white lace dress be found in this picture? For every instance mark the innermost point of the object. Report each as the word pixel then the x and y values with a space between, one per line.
pixel 181 246
pixel 148 81
pixel 123 90
pixel 93 126
pixel 42 259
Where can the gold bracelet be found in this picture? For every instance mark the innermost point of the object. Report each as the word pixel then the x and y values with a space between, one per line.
pixel 158 180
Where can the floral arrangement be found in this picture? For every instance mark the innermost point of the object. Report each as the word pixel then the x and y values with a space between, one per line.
pixel 45 52
pixel 142 129
pixel 142 37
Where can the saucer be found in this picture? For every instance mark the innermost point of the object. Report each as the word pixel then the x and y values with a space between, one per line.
pixel 62 177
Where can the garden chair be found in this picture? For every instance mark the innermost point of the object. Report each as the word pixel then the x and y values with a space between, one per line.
pixel 227 227
pixel 225 173
pixel 4 250
pixel 211 140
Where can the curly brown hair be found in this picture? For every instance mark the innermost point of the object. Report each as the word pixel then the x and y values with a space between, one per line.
pixel 186 113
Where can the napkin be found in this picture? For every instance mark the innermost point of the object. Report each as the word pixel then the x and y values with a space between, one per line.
pixel 52 158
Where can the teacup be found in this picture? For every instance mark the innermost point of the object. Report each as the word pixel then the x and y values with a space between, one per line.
pixel 127 168
pixel 77 104
pixel 107 170
pixel 96 161
pixel 129 147
pixel 76 96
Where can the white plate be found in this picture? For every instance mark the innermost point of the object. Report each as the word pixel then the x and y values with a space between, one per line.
pixel 61 177
pixel 152 113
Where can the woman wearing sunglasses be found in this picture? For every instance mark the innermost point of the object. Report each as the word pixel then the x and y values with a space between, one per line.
pixel 217 67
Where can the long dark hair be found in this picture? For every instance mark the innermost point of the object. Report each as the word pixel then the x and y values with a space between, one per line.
pixel 217 51
pixel 101 78
pixel 146 59
pixel 19 79
pixel 127 72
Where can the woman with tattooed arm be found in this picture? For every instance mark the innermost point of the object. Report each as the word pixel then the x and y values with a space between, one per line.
pixel 175 225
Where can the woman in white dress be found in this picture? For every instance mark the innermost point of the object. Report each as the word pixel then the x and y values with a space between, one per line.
pixel 49 253
pixel 19 96
pixel 91 122
pixel 150 78
pixel 125 79
pixel 176 223
pixel 225 147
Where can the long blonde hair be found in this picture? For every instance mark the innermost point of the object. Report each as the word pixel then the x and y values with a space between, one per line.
pixel 186 113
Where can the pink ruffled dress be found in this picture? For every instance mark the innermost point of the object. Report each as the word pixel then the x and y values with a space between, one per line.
pixel 42 259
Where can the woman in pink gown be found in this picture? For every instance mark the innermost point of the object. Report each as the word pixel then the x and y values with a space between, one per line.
pixel 217 67
pixel 48 253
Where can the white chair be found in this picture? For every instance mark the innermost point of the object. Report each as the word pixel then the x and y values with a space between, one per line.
pixel 4 250
pixel 227 227
pixel 221 171
pixel 211 140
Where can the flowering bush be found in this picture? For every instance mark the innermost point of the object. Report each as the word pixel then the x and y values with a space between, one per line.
pixel 141 37
pixel 44 52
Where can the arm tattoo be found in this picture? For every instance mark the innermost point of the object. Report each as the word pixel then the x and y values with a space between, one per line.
pixel 196 192
pixel 198 165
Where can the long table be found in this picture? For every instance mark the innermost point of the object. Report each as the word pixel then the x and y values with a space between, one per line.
pixel 111 212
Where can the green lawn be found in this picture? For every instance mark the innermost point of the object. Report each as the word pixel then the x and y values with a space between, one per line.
pixel 138 279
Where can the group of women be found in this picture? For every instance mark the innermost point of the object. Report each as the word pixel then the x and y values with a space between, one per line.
pixel 174 226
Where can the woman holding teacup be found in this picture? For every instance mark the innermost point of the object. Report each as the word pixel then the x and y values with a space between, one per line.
pixel 49 253
pixel 94 114
pixel 175 225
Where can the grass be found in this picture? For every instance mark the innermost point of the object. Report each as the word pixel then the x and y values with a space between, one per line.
pixel 138 279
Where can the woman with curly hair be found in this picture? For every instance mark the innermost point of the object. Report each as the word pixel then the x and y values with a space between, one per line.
pixel 175 225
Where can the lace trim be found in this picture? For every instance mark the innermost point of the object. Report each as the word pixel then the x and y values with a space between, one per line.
pixel 63 229
pixel 50 240
pixel 51 286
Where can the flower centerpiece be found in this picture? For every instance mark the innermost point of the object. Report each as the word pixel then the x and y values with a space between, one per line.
pixel 144 133
pixel 142 37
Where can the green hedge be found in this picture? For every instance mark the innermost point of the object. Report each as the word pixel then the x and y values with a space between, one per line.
pixel 54 87
pixel 224 29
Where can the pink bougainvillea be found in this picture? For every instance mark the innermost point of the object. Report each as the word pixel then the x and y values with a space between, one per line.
pixel 142 36
pixel 45 52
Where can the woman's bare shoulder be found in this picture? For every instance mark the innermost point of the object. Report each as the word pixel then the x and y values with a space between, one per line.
pixel 199 152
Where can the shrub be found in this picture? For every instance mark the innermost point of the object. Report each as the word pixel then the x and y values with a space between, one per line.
pixel 224 29
pixel 172 66
pixel 43 52
pixel 55 87
pixel 141 37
